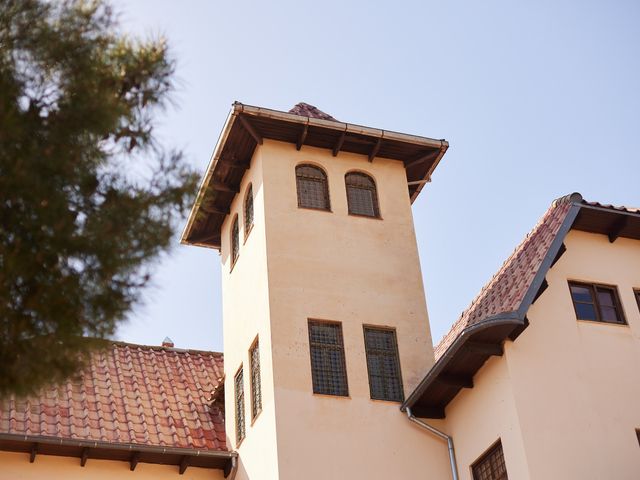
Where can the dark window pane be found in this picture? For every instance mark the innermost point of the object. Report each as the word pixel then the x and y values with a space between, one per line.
pixel 605 297
pixel 313 190
pixel 581 294
pixel 609 314
pixel 234 241
pixel 383 365
pixel 328 371
pixel 362 197
pixel 256 387
pixel 491 466
pixel 586 311
pixel 239 401
pixel 248 210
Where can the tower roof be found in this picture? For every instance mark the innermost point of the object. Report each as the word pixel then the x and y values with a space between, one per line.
pixel 246 128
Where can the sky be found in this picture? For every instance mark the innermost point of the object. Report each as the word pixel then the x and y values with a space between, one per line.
pixel 537 100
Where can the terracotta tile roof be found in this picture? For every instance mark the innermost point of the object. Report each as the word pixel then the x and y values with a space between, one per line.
pixel 506 290
pixel 130 394
pixel 306 110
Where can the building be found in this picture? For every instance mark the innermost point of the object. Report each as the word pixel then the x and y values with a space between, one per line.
pixel 330 369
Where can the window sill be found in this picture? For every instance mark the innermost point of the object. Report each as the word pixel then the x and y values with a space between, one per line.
pixel 596 322
pixel 328 395
pixel 359 215
pixel 392 402
pixel 316 209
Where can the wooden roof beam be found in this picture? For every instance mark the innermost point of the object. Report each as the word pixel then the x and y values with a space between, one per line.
pixel 208 209
pixel 302 137
pixel 184 463
pixel 224 187
pixel 617 227
pixel 421 159
pixel 427 412
pixel 459 381
pixel 375 150
pixel 339 143
pixel 133 462
pixel 33 453
pixel 484 348
pixel 84 456
pixel 250 129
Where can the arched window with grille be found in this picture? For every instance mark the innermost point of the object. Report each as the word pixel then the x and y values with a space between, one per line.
pixel 248 211
pixel 362 196
pixel 313 189
pixel 235 244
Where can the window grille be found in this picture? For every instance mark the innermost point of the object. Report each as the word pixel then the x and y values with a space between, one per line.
pixel 328 368
pixel 362 196
pixel 383 364
pixel 491 465
pixel 256 388
pixel 313 189
pixel 248 210
pixel 239 397
pixel 235 244
pixel 598 303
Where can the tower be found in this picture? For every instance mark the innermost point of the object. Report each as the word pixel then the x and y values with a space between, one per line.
pixel 324 314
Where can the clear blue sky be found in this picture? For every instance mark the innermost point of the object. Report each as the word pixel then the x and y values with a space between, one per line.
pixel 537 99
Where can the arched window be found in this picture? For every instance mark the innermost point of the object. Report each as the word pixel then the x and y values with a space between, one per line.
pixel 313 190
pixel 248 210
pixel 234 241
pixel 362 197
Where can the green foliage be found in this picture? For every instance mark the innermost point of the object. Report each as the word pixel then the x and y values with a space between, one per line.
pixel 88 199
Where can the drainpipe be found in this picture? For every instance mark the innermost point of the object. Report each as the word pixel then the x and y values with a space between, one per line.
pixel 443 436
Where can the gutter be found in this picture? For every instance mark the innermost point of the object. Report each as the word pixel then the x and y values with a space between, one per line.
pixel 443 436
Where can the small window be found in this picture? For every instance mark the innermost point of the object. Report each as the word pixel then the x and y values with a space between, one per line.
pixel 235 244
pixel 328 369
pixel 637 294
pixel 239 397
pixel 362 197
pixel 383 364
pixel 491 465
pixel 598 303
pixel 256 388
pixel 248 211
pixel 313 190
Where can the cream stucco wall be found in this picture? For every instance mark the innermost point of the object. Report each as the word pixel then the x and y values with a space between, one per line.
pixel 16 466
pixel 564 397
pixel 331 266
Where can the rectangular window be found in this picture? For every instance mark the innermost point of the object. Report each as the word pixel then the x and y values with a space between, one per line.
pixel 637 294
pixel 256 389
pixel 328 369
pixel 490 466
pixel 239 397
pixel 598 303
pixel 383 364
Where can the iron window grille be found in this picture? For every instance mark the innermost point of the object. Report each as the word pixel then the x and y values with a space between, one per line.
pixel 491 465
pixel 312 187
pixel 383 364
pixel 256 387
pixel 598 303
pixel 235 243
pixel 328 368
pixel 248 211
pixel 239 401
pixel 362 197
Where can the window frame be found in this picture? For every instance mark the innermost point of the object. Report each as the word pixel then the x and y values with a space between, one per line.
pixel 324 181
pixel 486 455
pixel 396 352
pixel 593 290
pixel 255 385
pixel 239 406
pixel 248 196
pixel 234 240
pixel 338 347
pixel 636 293
pixel 374 194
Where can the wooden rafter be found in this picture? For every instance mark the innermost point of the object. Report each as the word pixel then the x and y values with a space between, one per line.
pixel 460 381
pixel 421 159
pixel 617 227
pixel 133 461
pixel 184 463
pixel 250 129
pixel 33 453
pixel 338 145
pixel 484 348
pixel 211 209
pixel 302 137
pixel 84 456
pixel 374 151
pixel 224 187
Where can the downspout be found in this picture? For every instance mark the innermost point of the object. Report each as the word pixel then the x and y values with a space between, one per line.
pixel 443 436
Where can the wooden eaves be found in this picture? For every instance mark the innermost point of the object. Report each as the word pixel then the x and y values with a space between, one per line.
pixel 247 126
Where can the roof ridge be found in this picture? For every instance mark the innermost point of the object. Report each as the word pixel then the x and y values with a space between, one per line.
pixel 121 343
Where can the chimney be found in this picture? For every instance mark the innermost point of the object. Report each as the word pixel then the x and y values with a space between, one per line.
pixel 167 342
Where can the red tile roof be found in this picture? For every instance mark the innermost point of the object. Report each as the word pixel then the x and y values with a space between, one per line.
pixel 506 290
pixel 306 110
pixel 130 394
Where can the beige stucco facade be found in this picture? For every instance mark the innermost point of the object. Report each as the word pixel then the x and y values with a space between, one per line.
pixel 16 466
pixel 563 398
pixel 299 264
